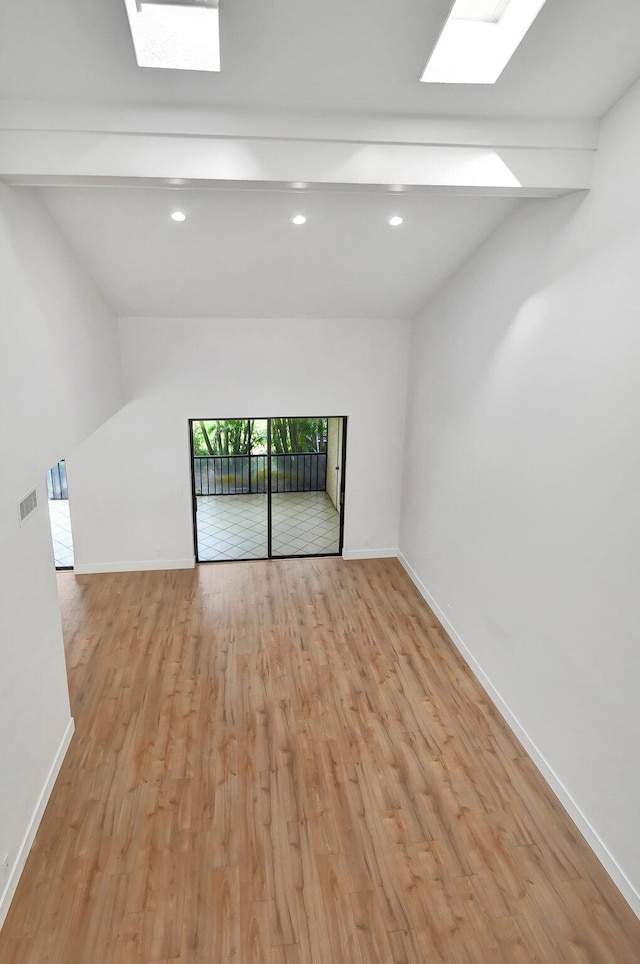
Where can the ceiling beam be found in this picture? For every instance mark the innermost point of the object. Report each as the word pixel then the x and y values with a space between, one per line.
pixel 571 133
pixel 84 156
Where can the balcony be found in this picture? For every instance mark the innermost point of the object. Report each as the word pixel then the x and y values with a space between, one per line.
pixel 232 514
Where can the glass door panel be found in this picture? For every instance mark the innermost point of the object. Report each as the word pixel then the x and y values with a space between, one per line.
pixel 230 488
pixel 305 517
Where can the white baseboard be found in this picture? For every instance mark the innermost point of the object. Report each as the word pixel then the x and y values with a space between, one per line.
pixel 606 858
pixel 369 553
pixel 34 823
pixel 86 569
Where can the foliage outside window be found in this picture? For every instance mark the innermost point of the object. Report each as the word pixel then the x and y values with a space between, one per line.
pixel 244 436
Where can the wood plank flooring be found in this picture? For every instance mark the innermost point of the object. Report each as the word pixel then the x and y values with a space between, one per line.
pixel 289 763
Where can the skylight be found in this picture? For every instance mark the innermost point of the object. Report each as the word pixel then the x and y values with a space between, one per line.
pixel 478 40
pixel 175 34
pixel 488 11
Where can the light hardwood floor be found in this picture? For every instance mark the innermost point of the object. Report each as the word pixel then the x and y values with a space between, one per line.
pixel 287 763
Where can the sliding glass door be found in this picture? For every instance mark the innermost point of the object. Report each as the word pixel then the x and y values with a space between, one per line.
pixel 267 488
pixel 230 488
pixel 305 521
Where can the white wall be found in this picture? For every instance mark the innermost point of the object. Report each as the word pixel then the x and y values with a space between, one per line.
pixel 521 514
pixel 334 459
pixel 131 488
pixel 59 377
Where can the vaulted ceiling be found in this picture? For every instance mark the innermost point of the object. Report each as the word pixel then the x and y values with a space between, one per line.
pixel 336 55
pixel 329 89
pixel 238 254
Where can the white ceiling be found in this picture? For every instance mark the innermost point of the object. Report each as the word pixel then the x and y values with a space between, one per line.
pixel 337 55
pixel 237 254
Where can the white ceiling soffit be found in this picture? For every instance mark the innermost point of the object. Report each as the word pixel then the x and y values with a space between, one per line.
pixel 479 39
pixel 50 157
pixel 360 56
pixel 237 254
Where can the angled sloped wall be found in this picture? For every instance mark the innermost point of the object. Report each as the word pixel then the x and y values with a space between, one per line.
pixel 136 512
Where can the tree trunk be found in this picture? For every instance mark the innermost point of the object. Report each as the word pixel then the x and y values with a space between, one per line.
pixel 205 436
pixel 293 434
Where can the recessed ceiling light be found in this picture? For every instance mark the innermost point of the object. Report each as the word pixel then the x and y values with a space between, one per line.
pixel 175 34
pixel 178 216
pixel 298 219
pixel 395 221
pixel 479 39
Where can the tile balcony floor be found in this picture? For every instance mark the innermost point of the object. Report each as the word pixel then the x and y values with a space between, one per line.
pixel 61 533
pixel 235 526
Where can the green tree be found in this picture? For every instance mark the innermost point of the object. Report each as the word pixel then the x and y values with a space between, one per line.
pixel 290 435
pixel 222 436
pixel 240 435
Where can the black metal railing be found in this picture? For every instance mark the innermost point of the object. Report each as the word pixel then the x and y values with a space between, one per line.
pixel 230 474
pixel 57 482
pixel 299 472
pixel 244 474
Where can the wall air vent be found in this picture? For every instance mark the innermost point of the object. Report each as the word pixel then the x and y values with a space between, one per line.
pixel 27 506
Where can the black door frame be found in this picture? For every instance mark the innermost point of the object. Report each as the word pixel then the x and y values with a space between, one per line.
pixel 269 556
